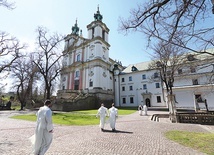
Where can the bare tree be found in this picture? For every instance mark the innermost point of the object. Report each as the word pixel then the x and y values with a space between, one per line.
pixel 168 59
pixel 49 58
pixel 9 51
pixel 179 23
pixel 5 3
pixel 25 75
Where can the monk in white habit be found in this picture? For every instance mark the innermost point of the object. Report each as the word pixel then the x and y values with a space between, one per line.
pixel 102 113
pixel 140 108
pixel 44 129
pixel 113 114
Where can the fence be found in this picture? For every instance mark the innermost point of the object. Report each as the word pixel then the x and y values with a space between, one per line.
pixel 196 118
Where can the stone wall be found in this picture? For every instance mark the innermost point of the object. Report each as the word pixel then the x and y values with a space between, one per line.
pixel 82 100
pixel 87 103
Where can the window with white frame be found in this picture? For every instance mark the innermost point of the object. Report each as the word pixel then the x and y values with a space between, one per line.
pixel 144 86
pixel 156 75
pixel 131 100
pixel 157 85
pixel 144 76
pixel 130 78
pixel 130 88
pixel 78 57
pixel 123 79
pixel 158 99
pixel 77 73
pixel 124 100
pixel 123 88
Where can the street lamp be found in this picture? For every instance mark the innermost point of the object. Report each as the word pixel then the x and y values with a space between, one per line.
pixel 212 1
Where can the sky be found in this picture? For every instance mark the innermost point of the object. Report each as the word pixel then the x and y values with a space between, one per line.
pixel 60 15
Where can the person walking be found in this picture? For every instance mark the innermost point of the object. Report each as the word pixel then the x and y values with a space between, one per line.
pixel 9 103
pixel 113 114
pixel 44 129
pixel 140 109
pixel 102 113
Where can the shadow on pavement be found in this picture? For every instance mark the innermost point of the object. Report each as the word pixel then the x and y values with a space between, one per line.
pixel 117 131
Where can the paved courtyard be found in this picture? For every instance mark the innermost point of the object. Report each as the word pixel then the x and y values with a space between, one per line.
pixel 136 135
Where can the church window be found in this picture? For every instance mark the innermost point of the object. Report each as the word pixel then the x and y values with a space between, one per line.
pixel 77 74
pixel 78 57
pixel 144 86
pixel 92 33
pixel 103 35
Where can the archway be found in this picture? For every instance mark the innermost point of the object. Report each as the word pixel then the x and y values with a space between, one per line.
pixel 148 104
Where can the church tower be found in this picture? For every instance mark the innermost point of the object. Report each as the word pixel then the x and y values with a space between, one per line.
pixel 98 55
pixel 97 29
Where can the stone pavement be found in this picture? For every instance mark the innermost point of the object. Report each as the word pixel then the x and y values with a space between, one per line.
pixel 136 135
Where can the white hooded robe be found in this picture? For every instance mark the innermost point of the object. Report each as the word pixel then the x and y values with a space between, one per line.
pixel 43 132
pixel 113 113
pixel 102 113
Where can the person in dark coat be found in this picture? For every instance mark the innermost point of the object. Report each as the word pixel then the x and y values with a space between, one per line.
pixel 9 103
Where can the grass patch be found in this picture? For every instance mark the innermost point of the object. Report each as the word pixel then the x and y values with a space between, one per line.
pixel 84 117
pixel 203 142
pixel 65 119
pixel 27 117
pixel 121 111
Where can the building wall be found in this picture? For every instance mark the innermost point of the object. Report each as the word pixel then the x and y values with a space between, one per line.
pixel 140 89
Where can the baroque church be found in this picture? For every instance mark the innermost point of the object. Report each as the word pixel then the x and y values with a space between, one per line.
pixel 90 77
pixel 87 69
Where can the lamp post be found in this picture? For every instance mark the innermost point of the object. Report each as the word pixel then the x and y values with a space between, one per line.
pixel 212 1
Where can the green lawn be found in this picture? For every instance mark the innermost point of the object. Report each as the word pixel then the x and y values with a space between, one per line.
pixel 203 142
pixel 85 117
pixel 121 111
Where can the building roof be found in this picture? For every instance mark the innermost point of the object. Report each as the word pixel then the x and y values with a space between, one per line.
pixel 146 65
pixel 139 66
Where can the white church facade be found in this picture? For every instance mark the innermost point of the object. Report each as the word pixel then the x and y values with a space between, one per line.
pixel 88 70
